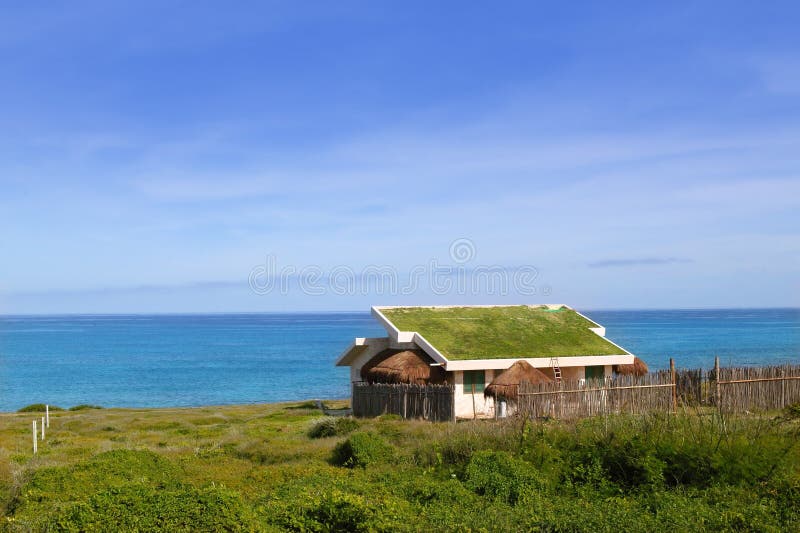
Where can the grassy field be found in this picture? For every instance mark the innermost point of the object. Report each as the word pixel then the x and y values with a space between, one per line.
pixel 503 332
pixel 286 467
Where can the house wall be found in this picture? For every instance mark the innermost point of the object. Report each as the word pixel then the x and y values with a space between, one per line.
pixel 574 373
pixel 483 407
pixel 568 373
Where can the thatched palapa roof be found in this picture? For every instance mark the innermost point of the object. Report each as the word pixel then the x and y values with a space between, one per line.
pixel 506 385
pixel 402 366
pixel 638 368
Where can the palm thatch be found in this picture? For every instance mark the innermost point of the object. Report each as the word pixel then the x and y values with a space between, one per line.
pixel 506 385
pixel 406 366
pixel 638 368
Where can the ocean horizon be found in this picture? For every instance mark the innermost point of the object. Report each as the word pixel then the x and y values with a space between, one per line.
pixel 194 359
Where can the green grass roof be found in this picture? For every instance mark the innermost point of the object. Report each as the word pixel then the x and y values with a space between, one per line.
pixel 502 332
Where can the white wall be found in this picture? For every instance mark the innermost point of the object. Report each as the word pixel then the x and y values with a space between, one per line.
pixel 483 407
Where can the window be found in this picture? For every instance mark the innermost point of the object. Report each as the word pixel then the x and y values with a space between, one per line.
pixel 474 377
pixel 595 372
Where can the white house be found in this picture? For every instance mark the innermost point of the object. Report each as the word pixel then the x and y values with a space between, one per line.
pixel 475 344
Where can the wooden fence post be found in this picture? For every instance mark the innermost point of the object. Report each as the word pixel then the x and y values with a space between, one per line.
pixel 784 373
pixel 674 385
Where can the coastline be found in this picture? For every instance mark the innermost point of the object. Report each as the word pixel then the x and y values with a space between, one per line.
pixel 200 360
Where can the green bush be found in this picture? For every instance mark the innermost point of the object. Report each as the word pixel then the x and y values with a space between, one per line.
pixel 688 464
pixel 308 404
pixel 630 463
pixel 453 450
pixel 106 470
pixel 138 508
pixel 333 427
pixel 38 408
pixel 346 512
pixel 792 412
pixel 362 449
pixel 785 493
pixel 499 476
pixel 84 407
pixel 331 500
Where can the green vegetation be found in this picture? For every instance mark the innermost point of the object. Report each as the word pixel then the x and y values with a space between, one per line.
pixel 333 427
pixel 38 408
pixel 362 449
pixel 503 332
pixel 84 407
pixel 257 468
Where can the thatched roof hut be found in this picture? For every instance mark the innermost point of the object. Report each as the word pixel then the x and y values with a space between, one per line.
pixel 402 366
pixel 638 368
pixel 506 385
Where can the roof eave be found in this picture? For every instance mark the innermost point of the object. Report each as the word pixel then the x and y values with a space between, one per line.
pixel 356 348
pixel 539 362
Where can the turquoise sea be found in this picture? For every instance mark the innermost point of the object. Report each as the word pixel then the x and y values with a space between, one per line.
pixel 189 360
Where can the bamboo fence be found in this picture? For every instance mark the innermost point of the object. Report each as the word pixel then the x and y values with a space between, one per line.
pixel 731 390
pixel 580 399
pixel 739 390
pixel 428 402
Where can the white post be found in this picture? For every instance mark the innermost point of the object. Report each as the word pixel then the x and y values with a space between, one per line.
pixel 34 436
pixel 47 414
pixel 42 428
pixel 502 409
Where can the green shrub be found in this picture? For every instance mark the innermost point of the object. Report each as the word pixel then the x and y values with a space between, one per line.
pixel 337 510
pixel 362 449
pixel 343 511
pixel 138 508
pixel 631 463
pixel 454 449
pixel 499 476
pixel 308 404
pixel 84 407
pixel 6 478
pixel 626 461
pixel 111 469
pixel 333 427
pixel 785 493
pixel 792 412
pixel 38 408
pixel 688 464
pixel 263 451
pixel 330 500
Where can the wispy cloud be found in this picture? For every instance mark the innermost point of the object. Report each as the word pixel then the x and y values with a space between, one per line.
pixel 645 261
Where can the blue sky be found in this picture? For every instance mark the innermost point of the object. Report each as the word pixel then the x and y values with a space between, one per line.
pixel 154 154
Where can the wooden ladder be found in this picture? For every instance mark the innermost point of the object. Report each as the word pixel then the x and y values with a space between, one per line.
pixel 556 369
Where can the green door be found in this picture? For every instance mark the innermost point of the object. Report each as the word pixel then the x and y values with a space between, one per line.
pixel 595 372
